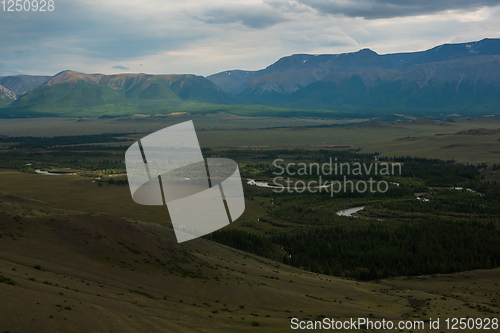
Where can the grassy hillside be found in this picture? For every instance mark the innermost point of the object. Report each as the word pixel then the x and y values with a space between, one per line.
pixel 76 272
pixel 4 102
pixel 78 94
pixel 88 270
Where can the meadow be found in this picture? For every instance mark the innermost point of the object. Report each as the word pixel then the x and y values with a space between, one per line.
pixel 444 139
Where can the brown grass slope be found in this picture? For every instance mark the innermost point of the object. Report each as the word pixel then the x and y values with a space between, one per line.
pixel 66 271
pixel 104 273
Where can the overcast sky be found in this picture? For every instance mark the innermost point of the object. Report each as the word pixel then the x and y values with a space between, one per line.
pixel 206 37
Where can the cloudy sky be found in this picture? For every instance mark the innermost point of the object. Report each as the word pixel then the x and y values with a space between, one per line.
pixel 206 37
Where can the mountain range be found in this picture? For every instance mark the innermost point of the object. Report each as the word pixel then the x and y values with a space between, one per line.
pixel 291 73
pixel 451 77
pixel 69 93
pixel 465 75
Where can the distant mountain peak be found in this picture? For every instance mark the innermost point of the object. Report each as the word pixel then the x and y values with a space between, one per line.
pixel 367 51
pixel 21 84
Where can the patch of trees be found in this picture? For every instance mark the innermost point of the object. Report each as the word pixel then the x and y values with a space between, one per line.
pixel 378 250
pixel 436 172
pixel 320 156
pixel 30 142
pixel 16 159
pixel 119 182
pixel 449 202
pixel 382 250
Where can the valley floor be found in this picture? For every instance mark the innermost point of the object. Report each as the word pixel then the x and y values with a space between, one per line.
pixel 78 257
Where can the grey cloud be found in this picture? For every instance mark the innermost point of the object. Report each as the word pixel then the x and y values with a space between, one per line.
pixel 7 70
pixel 256 17
pixel 82 34
pixel 288 6
pixel 377 9
pixel 81 29
pixel 123 68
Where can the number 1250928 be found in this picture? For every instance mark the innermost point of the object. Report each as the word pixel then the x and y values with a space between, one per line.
pixel 27 5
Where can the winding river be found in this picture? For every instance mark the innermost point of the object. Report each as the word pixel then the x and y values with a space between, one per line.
pixel 53 173
pixel 350 211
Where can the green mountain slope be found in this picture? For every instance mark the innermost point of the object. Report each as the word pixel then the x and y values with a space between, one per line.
pixel 78 94
pixel 466 84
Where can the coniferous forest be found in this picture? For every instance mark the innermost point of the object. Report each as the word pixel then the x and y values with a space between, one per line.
pixel 438 217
